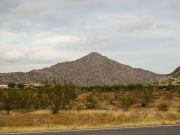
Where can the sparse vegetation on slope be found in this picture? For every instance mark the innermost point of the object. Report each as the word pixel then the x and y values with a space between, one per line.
pixel 171 79
pixel 88 107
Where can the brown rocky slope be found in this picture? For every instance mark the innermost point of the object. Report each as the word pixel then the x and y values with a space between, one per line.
pixel 93 69
pixel 171 79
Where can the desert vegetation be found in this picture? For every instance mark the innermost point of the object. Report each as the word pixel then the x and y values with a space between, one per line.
pixel 68 106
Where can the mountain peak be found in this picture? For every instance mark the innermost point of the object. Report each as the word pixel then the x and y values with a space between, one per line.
pixel 92 69
pixel 94 54
pixel 178 69
pixel 176 72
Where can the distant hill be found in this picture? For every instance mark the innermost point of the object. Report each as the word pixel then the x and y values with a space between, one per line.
pixel 93 69
pixel 176 73
pixel 173 78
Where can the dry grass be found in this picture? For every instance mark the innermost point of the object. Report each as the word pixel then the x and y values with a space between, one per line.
pixel 106 115
pixel 43 120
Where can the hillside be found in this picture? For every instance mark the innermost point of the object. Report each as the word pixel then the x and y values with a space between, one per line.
pixel 171 79
pixel 93 69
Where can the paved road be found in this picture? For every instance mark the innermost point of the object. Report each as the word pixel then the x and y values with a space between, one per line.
pixel 160 130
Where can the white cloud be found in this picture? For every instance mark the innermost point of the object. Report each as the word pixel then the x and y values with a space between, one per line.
pixel 65 30
pixel 132 25
pixel 53 39
pixel 13 56
pixel 79 1
pixel 30 9
pixel 99 38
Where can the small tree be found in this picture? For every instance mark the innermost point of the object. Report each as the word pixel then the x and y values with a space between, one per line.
pixel 20 86
pixel 145 96
pixel 90 103
pixel 163 107
pixel 8 100
pixel 11 85
pixel 1 97
pixel 24 99
pixel 40 99
pixel 126 101
pixel 61 96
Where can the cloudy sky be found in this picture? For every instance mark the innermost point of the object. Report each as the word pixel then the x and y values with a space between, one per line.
pixel 39 33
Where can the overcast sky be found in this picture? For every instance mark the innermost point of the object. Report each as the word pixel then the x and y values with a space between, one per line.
pixel 39 33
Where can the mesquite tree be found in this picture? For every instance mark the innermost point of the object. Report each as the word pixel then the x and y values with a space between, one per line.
pixel 8 100
pixel 61 97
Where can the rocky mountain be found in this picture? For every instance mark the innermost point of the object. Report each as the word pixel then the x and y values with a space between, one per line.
pixel 173 78
pixel 176 73
pixel 93 69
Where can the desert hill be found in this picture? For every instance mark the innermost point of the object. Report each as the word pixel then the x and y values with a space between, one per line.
pixel 93 69
pixel 171 79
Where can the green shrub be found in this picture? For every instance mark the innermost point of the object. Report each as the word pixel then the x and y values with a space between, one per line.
pixel 20 86
pixel 163 107
pixel 61 96
pixel 126 101
pixel 90 103
pixel 168 96
pixel 8 100
pixel 145 97
pixel 24 100
pixel 40 99
pixel 12 85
